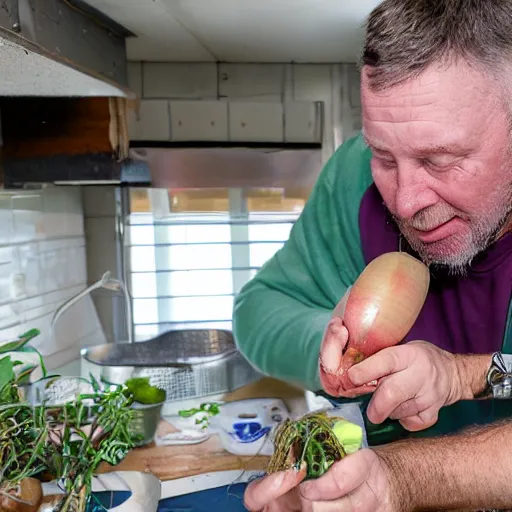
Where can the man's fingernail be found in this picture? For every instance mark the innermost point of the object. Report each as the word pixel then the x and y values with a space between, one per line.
pixel 295 469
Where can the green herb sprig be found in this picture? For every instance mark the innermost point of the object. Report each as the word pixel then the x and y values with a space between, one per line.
pixel 209 409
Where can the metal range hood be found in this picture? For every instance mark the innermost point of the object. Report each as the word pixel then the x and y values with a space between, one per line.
pixel 42 56
pixel 179 167
pixel 164 142
pixel 227 143
pixel 236 166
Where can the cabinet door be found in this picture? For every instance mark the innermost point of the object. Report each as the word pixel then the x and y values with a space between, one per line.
pixel 256 122
pixel 199 121
pixel 150 121
pixel 303 121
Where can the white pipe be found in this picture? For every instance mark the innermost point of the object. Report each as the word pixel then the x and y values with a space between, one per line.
pixel 106 282
pixel 116 285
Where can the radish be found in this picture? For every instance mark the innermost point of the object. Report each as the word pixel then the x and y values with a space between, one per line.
pixel 380 309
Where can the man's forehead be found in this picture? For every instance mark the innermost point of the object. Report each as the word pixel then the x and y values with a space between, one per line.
pixel 442 111
pixel 422 147
pixel 456 82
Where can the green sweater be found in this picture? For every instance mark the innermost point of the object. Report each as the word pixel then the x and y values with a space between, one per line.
pixel 280 315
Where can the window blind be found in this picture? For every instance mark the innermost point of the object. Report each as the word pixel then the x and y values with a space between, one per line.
pixel 184 269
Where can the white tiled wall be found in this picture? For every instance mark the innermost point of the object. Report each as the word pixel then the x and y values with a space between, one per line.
pixel 169 92
pixel 42 264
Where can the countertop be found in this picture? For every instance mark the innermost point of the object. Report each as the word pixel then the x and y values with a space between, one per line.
pixel 173 462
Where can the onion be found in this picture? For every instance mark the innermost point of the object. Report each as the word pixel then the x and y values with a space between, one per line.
pixel 381 308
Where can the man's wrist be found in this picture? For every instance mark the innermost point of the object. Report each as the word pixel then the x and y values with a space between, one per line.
pixel 416 471
pixel 471 375
pixel 401 488
pixel 457 472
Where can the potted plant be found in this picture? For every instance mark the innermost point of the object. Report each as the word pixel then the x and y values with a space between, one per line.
pixel 91 429
pixel 21 444
pixel 44 434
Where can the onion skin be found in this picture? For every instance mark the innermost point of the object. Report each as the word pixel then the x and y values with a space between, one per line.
pixel 381 308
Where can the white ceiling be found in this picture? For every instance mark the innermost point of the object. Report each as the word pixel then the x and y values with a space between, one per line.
pixel 241 30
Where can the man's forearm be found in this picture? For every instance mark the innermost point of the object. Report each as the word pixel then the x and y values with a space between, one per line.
pixel 471 374
pixel 469 471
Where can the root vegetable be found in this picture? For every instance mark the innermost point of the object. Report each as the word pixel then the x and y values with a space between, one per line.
pixel 381 308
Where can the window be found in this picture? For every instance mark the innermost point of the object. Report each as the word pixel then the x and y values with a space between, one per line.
pixel 190 252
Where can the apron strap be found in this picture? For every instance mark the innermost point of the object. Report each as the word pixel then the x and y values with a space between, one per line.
pixel 507 339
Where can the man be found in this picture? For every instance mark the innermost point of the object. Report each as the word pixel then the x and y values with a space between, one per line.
pixel 432 176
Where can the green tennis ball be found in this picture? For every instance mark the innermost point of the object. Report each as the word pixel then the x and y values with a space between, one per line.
pixel 349 435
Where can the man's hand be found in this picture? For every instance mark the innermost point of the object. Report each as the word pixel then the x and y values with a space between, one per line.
pixel 467 471
pixel 414 381
pixel 275 493
pixel 360 482
pixel 410 382
pixel 334 359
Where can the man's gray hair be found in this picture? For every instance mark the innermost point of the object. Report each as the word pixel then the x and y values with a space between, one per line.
pixel 405 37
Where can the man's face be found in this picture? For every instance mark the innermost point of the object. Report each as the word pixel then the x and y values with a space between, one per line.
pixel 441 160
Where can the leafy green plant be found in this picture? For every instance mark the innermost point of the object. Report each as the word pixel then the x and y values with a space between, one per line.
pixel 23 434
pixel 22 431
pixel 66 442
pixel 7 366
pixel 92 429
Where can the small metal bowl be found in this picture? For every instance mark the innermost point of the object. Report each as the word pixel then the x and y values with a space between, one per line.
pixel 145 421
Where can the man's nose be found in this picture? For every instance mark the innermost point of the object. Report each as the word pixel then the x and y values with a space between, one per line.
pixel 413 192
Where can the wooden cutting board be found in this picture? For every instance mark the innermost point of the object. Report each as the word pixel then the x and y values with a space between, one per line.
pixel 171 462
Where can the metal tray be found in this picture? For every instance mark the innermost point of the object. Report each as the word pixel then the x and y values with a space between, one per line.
pixel 186 363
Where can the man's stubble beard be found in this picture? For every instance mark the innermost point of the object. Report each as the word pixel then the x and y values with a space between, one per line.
pixel 460 250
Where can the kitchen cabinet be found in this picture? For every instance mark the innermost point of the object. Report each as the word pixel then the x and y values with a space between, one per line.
pixel 303 121
pixel 47 140
pixel 256 122
pixel 150 121
pixel 199 120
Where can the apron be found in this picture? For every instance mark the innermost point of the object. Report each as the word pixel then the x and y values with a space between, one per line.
pixel 452 418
